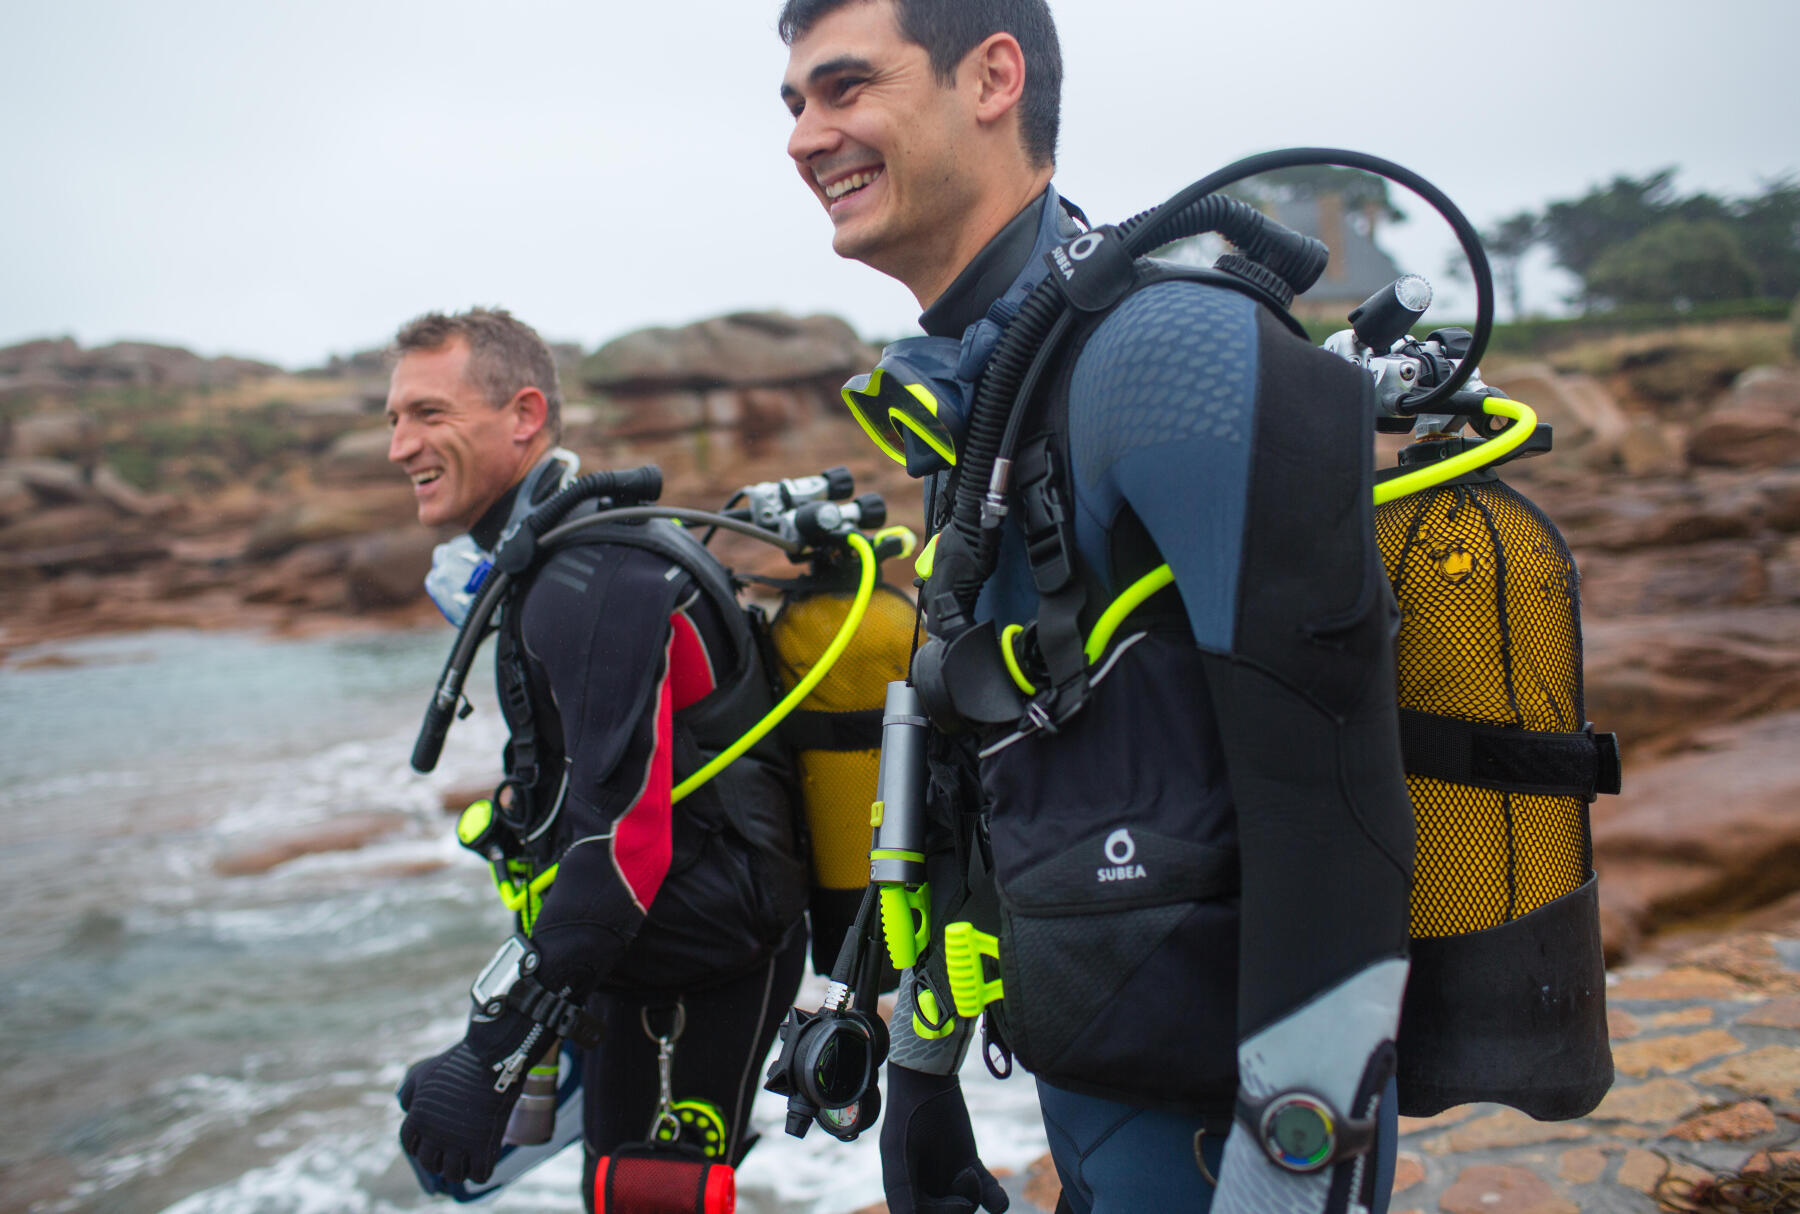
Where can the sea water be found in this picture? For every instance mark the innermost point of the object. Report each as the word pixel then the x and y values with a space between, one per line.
pixel 175 1038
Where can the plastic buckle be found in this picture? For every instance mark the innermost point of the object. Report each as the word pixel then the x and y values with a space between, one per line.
pixel 1047 531
pixel 1609 767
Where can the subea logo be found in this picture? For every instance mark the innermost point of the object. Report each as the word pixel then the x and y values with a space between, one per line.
pixel 1120 848
pixel 1080 249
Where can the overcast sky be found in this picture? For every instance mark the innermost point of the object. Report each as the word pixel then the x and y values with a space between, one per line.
pixel 286 180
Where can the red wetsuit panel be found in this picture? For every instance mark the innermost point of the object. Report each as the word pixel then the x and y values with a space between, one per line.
pixel 642 843
pixel 642 846
pixel 690 665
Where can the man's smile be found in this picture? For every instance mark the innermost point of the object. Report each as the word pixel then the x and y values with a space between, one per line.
pixel 841 188
pixel 855 181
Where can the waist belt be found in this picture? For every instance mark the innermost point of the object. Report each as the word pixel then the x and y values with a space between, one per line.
pixel 1534 762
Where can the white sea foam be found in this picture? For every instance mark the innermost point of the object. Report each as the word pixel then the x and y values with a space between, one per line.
pixel 311 1107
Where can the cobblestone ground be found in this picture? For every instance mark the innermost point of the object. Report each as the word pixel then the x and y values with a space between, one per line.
pixel 1706 1046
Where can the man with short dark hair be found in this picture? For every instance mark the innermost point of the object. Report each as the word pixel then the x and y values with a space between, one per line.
pixel 1193 846
pixel 622 669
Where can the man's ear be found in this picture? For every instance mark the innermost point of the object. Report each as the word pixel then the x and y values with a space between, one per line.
pixel 530 411
pixel 998 67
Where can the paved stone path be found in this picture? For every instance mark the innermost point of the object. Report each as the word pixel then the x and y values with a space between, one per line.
pixel 1707 1053
pixel 1706 1045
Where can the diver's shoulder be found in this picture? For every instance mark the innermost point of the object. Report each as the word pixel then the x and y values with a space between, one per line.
pixel 1177 316
pixel 1168 332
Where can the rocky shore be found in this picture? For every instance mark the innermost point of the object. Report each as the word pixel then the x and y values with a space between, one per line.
pixel 143 486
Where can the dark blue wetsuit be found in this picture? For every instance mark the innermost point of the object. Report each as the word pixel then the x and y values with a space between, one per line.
pixel 1203 874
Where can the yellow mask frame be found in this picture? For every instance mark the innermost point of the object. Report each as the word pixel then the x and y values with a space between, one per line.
pixel 886 407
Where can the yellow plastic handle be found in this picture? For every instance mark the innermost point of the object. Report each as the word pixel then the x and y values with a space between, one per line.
pixel 909 539
pixel 964 948
pixel 905 922
pixel 1010 656
pixel 523 898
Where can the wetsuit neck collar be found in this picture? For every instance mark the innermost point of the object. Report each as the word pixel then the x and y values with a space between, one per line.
pixel 531 491
pixel 1014 253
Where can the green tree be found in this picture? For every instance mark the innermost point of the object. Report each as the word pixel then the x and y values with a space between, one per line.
pixel 1677 259
pixel 1580 230
pixel 1507 243
pixel 1768 226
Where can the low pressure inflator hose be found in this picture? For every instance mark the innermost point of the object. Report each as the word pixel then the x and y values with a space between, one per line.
pixel 865 591
pixel 1524 421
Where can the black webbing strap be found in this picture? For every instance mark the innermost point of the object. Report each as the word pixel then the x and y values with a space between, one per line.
pixel 1050 547
pixel 521 746
pixel 811 729
pixel 1528 761
pixel 676 545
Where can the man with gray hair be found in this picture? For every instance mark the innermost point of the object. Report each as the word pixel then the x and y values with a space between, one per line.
pixel 486 410
pixel 622 666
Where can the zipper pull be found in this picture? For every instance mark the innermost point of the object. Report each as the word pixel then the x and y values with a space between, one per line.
pixel 514 1063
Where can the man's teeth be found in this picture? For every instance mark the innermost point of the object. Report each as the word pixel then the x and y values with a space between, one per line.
pixel 425 478
pixel 855 181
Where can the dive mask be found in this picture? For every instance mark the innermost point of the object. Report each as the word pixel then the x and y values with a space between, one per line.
pixel 913 404
pixel 459 567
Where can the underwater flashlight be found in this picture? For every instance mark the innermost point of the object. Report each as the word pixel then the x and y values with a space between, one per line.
pixel 1385 317
pixel 897 858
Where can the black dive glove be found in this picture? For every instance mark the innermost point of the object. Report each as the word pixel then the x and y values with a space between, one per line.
pixel 454 1116
pixel 928 1160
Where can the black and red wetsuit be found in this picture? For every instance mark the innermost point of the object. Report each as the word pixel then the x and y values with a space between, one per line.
pixel 621 671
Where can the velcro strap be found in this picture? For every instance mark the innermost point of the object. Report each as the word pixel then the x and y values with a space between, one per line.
pixel 1533 762
pixel 565 1017
pixel 810 729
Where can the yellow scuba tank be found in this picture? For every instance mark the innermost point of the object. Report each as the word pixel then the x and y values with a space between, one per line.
pixel 1506 1001
pixel 836 734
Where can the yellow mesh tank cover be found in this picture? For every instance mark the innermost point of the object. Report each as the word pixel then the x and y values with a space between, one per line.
pixel 1489 632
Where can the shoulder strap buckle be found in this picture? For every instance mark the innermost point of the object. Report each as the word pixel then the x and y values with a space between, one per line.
pixel 1049 535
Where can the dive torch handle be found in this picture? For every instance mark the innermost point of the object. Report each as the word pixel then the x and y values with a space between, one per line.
pixel 899 852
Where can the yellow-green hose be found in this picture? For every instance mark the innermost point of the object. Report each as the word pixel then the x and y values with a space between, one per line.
pixel 865 590
pixel 1524 420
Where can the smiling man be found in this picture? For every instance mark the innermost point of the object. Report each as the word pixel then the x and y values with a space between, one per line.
pixel 459 428
pixel 623 665
pixel 919 158
pixel 1189 848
